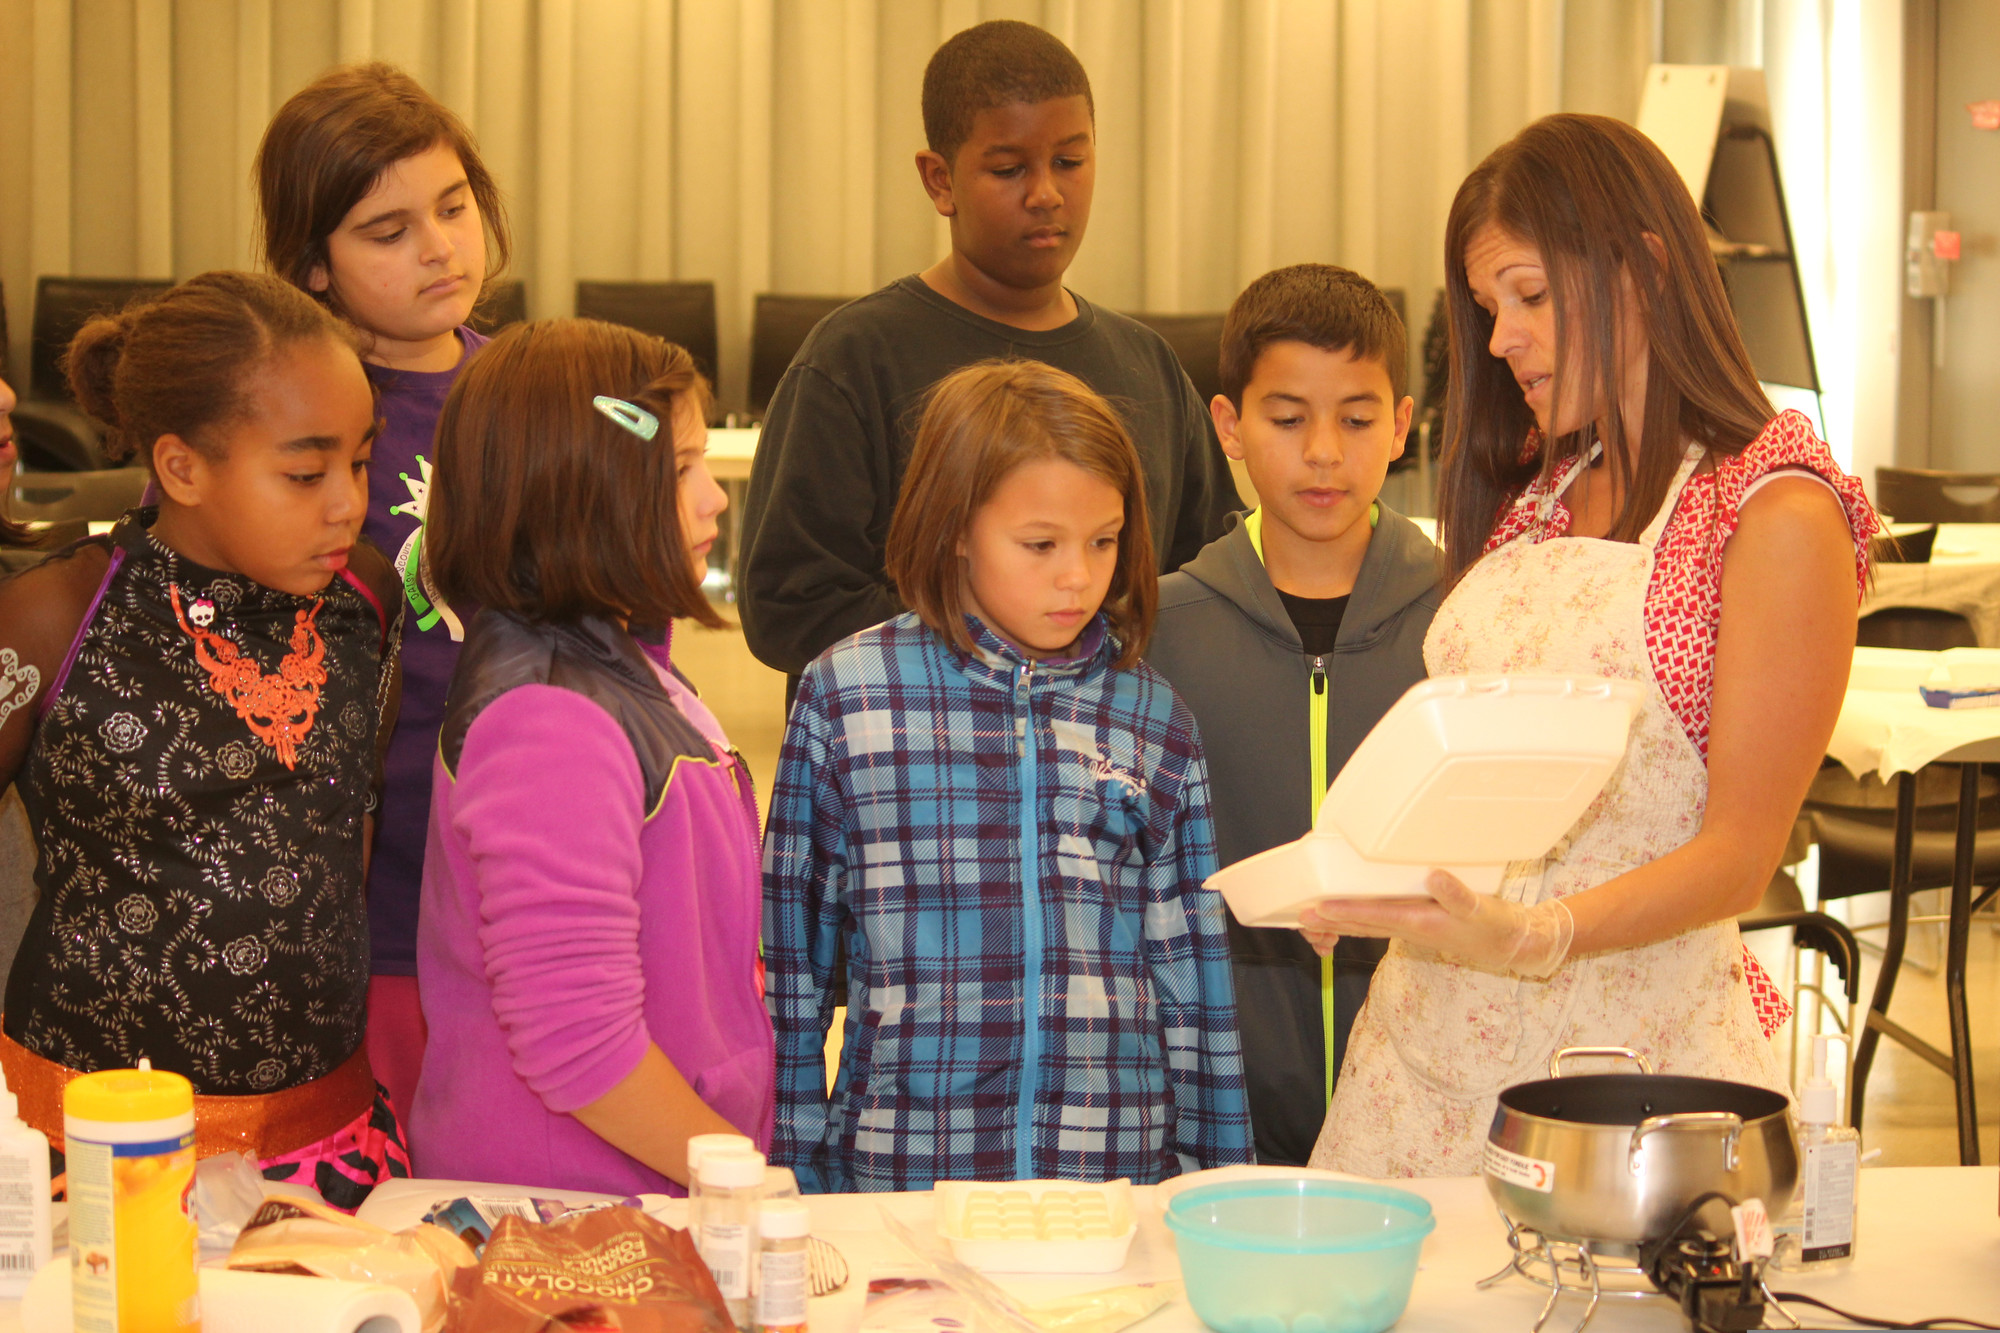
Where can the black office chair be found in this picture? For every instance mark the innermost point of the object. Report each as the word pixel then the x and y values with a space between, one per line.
pixel 53 435
pixel 1197 342
pixel 1426 439
pixel 90 497
pixel 1914 627
pixel 1396 301
pixel 680 312
pixel 778 328
pixel 1784 908
pixel 1911 548
pixel 502 303
pixel 1919 495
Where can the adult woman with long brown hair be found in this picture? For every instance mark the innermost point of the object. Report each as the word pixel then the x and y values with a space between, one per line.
pixel 1619 499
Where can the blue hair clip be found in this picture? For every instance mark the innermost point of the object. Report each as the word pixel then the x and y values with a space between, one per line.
pixel 629 415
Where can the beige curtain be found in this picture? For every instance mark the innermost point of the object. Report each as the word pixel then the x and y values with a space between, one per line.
pixel 767 144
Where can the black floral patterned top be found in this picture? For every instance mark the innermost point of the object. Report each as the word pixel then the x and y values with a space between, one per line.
pixel 201 898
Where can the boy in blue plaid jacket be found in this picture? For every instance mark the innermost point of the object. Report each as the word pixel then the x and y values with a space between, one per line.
pixel 1004 815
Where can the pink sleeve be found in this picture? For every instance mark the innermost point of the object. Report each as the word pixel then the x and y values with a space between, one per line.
pixel 549 802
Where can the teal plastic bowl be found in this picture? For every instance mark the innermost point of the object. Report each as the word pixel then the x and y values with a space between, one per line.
pixel 1298 1256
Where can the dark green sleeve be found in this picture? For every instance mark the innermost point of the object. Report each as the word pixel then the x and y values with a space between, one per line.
pixel 814 525
pixel 1208 490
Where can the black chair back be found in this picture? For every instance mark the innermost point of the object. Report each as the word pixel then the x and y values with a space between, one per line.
pixel 1197 342
pixel 680 312
pixel 91 497
pixel 61 307
pixel 1396 303
pixel 1920 495
pixel 1914 627
pixel 502 303
pixel 778 328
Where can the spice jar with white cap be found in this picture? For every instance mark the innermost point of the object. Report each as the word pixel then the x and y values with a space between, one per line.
pixel 731 1186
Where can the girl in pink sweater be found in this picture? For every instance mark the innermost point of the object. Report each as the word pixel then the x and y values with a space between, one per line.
pixel 587 945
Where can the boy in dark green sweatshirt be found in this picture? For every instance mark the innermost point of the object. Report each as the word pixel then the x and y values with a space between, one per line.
pixel 1291 634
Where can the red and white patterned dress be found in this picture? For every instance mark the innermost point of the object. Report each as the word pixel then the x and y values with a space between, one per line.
pixel 1437 1040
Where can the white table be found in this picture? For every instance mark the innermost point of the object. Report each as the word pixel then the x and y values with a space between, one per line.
pixel 1929 1244
pixel 1963 577
pixel 731 451
pixel 1886 728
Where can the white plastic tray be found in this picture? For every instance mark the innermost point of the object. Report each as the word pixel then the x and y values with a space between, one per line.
pixel 1480 770
pixel 1274 888
pixel 1037 1256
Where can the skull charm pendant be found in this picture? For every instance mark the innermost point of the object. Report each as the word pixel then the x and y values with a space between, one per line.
pixel 202 612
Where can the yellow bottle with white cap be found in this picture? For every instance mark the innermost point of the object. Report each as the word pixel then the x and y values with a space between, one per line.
pixel 132 1237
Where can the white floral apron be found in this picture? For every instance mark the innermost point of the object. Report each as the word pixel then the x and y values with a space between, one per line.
pixel 1437 1041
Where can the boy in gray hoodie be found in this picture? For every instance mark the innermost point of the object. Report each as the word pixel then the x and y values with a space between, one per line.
pixel 1291 634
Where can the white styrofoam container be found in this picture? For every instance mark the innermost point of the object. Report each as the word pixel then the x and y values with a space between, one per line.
pixel 1480 770
pixel 1274 888
pixel 1106 1255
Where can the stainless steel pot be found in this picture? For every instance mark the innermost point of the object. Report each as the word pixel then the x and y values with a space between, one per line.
pixel 1620 1157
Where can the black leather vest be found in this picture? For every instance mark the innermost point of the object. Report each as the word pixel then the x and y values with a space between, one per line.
pixel 591 657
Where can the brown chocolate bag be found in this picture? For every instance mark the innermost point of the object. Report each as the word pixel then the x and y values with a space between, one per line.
pixel 615 1268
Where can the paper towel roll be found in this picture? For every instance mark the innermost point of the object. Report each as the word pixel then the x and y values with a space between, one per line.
pixel 233 1302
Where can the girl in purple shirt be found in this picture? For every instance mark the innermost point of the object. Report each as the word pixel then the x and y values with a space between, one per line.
pixel 587 949
pixel 374 200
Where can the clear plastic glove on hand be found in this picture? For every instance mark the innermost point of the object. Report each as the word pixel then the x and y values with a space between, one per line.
pixel 1480 929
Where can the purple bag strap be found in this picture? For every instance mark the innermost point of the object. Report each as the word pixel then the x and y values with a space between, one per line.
pixel 82 628
pixel 360 585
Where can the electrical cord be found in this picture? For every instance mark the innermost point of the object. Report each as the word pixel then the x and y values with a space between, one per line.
pixel 1717 1294
pixel 1875 1321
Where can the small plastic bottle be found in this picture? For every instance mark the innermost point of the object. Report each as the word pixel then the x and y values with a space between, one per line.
pixel 700 1146
pixel 730 1185
pixel 1819 1230
pixel 24 1198
pixel 784 1276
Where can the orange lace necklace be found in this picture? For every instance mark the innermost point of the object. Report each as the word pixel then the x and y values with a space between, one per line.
pixel 279 708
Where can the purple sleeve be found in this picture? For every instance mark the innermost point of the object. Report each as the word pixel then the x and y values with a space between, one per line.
pixel 549 800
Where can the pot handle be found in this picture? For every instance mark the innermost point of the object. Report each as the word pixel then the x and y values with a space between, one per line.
pixel 1728 1122
pixel 1600 1052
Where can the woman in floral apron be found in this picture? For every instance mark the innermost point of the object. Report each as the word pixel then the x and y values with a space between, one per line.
pixel 1661 524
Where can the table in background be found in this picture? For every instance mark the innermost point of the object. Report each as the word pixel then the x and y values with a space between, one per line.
pixel 731 451
pixel 1962 577
pixel 1891 732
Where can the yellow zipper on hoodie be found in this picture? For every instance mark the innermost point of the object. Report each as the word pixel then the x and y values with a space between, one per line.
pixel 1253 524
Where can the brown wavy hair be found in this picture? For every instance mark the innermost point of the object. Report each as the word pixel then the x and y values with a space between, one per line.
pixel 328 145
pixel 979 424
pixel 543 506
pixel 179 364
pixel 1592 194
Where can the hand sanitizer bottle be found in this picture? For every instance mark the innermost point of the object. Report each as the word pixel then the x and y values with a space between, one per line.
pixel 1819 1231
pixel 24 1198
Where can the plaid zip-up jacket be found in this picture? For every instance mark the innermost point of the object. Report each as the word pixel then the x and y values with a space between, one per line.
pixel 1013 852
